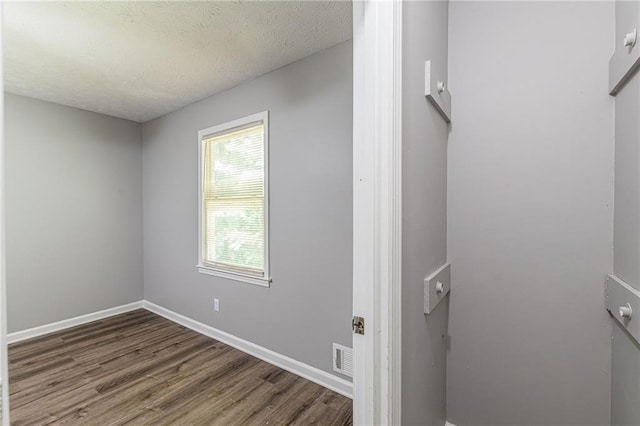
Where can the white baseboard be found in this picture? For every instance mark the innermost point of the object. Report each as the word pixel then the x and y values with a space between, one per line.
pixel 336 384
pixel 449 424
pixel 71 322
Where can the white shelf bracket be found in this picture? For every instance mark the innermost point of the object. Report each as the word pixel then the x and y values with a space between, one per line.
pixel 625 62
pixel 436 287
pixel 623 302
pixel 435 89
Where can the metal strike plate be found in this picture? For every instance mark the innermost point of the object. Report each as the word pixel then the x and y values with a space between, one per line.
pixel 436 287
pixel 435 89
pixel 357 325
pixel 623 301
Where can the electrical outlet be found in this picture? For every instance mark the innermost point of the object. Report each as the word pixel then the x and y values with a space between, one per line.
pixel 216 305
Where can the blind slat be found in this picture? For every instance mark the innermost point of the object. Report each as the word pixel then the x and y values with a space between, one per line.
pixel 233 200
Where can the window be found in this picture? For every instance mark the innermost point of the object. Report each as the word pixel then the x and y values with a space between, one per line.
pixel 233 223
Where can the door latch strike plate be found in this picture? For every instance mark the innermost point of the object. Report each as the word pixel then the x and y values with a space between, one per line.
pixel 357 324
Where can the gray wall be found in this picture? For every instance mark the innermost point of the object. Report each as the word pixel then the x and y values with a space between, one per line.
pixel 625 362
pixel 530 203
pixel 626 247
pixel 73 212
pixel 625 367
pixel 308 305
pixel 625 378
pixel 424 224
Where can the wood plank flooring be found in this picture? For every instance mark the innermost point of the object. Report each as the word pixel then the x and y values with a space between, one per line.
pixel 141 369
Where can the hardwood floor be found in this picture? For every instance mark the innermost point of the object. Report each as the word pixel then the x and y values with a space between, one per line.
pixel 141 369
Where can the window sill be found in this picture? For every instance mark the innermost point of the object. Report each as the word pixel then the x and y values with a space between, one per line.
pixel 262 282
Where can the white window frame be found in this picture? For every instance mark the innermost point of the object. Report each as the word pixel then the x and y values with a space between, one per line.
pixel 221 129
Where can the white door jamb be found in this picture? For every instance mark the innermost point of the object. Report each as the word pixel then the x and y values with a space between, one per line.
pixel 377 210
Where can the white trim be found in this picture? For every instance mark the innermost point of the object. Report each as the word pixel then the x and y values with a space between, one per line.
pixel 377 210
pixel 71 322
pixel 211 131
pixel 263 282
pixel 449 424
pixel 313 374
pixel 4 356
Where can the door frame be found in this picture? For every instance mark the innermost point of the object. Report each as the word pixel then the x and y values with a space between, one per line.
pixel 4 360
pixel 377 210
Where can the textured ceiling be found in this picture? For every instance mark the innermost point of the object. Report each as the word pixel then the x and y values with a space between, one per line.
pixel 139 60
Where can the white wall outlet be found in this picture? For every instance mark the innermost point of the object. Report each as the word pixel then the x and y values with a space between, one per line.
pixel 216 305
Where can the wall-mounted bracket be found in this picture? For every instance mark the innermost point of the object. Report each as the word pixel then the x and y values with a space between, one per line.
pixel 623 301
pixel 436 287
pixel 625 62
pixel 435 89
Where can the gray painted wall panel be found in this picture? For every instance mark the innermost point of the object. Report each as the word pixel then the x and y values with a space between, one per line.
pixel 73 212
pixel 424 232
pixel 625 361
pixel 530 212
pixel 625 378
pixel 626 246
pixel 309 303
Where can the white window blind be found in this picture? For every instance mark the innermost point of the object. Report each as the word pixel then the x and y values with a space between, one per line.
pixel 233 200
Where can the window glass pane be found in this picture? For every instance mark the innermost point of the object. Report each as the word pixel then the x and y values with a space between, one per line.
pixel 236 163
pixel 233 197
pixel 237 231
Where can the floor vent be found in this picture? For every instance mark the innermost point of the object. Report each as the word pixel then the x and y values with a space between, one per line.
pixel 343 360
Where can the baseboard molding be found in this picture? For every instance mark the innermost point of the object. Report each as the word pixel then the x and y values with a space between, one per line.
pixel 313 374
pixel 71 322
pixel 449 424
